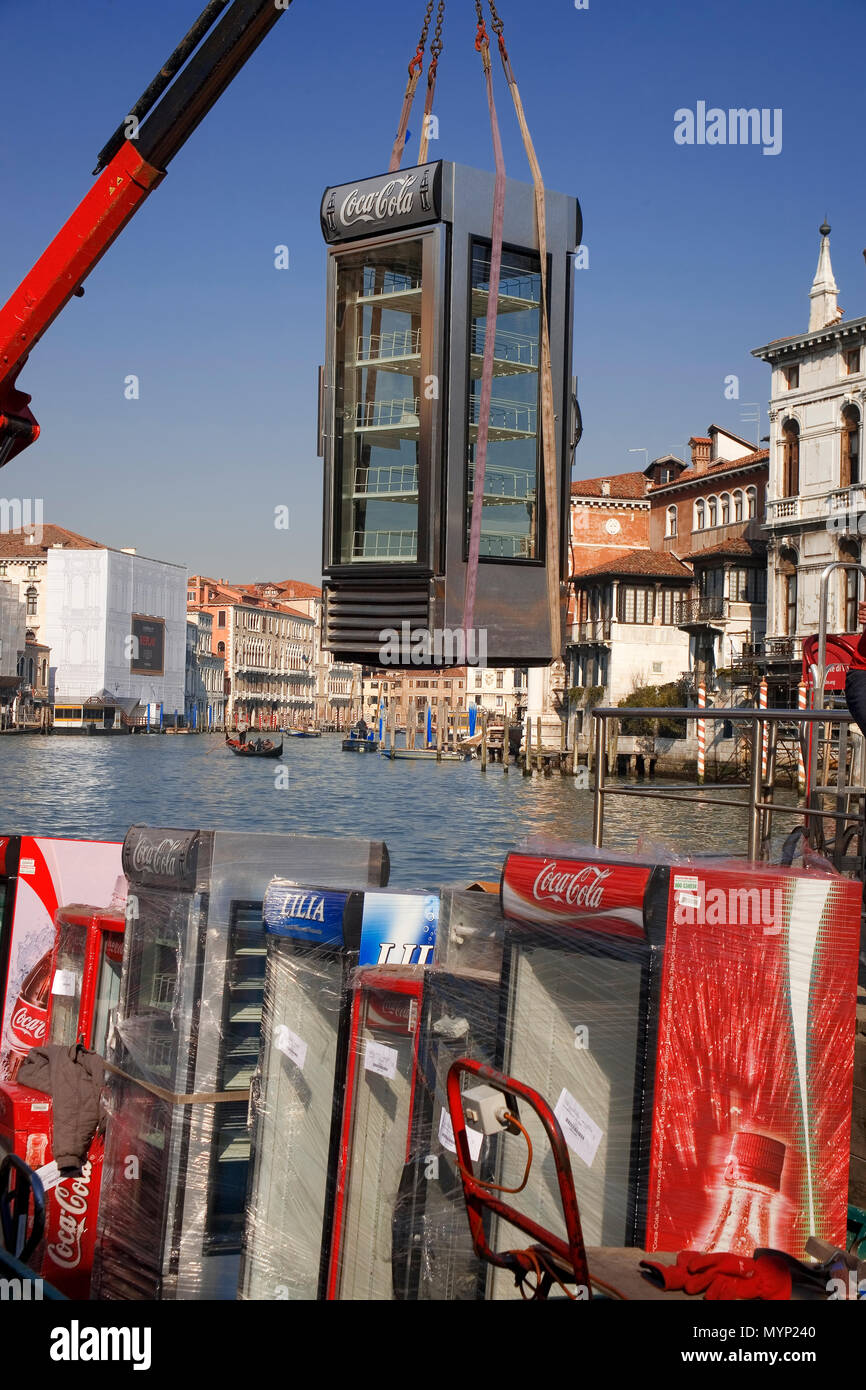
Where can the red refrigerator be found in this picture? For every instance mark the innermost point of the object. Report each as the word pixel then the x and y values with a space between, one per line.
pixel 693 1027
pixel 84 977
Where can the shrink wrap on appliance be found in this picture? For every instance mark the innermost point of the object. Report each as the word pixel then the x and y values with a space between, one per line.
pixel 692 1025
pixel 186 1042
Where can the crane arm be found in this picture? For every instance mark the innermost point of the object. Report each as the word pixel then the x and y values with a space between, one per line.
pixel 171 108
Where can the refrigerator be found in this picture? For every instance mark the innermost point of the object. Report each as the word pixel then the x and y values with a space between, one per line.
pixel 313 939
pixel 187 1041
pixel 38 875
pixel 684 1021
pixel 432 1253
pixel 85 979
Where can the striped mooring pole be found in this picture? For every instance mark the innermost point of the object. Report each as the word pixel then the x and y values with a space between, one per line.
pixel 702 732
pixel 801 758
pixel 762 704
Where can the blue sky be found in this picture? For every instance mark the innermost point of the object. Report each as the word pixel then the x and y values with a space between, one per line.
pixel 697 254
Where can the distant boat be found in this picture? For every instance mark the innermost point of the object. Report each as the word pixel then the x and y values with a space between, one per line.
pixel 249 750
pixel 352 744
pixel 304 733
pixel 425 754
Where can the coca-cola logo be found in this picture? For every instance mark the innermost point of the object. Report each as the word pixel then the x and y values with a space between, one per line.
pixel 30 1027
pixel 393 198
pixel 72 1199
pixel 398 199
pixel 162 857
pixel 583 887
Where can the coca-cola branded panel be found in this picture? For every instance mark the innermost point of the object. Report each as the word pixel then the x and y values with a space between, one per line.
pixel 752 1110
pixel 50 873
pixel 84 976
pixel 189 1022
pixel 700 1066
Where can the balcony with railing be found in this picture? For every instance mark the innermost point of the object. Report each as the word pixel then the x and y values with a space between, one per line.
pixel 592 630
pixel 783 648
pixel 699 612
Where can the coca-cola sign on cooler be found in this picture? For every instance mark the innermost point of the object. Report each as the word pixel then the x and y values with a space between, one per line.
pixel 70 1226
pixel 549 889
pixel 407 198
pixel 161 858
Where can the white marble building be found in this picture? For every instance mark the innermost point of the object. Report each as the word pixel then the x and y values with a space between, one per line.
pixel 816 498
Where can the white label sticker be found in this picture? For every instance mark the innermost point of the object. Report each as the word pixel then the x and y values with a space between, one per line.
pixel 49 1175
pixel 447 1140
pixel 381 1059
pixel 39 1105
pixel 688 883
pixel 689 899
pixel 582 1134
pixel 27 866
pixel 63 982
pixel 290 1044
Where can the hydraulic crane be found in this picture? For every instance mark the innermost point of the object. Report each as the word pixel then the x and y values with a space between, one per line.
pixel 129 167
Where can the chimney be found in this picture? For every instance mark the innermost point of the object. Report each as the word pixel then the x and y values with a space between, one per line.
pixel 700 453
pixel 605 487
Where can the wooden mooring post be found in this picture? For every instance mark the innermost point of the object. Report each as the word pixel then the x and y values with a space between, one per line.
pixel 527 752
pixel 505 751
pixel 484 740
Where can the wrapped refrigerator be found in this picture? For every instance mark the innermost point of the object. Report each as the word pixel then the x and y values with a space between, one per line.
pixel 432 1254
pixel 185 1047
pixel 333 1100
pixel 313 937
pixel 84 978
pixel 692 1025
pixel 38 875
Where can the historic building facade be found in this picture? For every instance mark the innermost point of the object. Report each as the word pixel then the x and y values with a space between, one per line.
pixel 817 499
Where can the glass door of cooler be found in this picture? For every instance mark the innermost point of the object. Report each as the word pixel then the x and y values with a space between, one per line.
pixel 510 504
pixel 383 402
pixel 292 1124
pixel 573 1033
pixel 67 984
pixel 376 1138
pixel 242 1021
pixel 107 988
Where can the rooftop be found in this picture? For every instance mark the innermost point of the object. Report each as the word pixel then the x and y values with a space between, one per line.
pixel 659 564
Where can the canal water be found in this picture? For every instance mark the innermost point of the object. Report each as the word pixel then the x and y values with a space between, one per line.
pixel 442 823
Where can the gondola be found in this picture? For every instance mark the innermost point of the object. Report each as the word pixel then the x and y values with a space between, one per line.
pixel 248 750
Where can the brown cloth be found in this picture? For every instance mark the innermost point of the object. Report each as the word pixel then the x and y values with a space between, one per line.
pixel 72 1076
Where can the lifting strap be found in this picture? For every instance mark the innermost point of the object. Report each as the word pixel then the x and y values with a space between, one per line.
pixel 482 43
pixel 548 418
pixel 415 67
pixel 435 50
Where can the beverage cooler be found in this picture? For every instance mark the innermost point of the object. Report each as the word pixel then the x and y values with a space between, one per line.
pixel 409 282
pixel 683 1021
pixel 432 1253
pixel 313 938
pixel 187 1039
pixel 84 976
pixel 37 876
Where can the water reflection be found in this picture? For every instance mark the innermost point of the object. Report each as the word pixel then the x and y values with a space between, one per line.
pixel 443 822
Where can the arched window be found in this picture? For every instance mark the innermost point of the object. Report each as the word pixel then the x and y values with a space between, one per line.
pixel 790 458
pixel 738 505
pixel 700 516
pixel 850 581
pixel 712 511
pixel 32 597
pixel 221 648
pixel 751 501
pixel 788 573
pixel 671 522
pixel 850 462
pixel 725 508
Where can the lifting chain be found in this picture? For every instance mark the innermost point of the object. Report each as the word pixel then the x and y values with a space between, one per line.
pixel 417 62
pixel 436 45
pixel 498 28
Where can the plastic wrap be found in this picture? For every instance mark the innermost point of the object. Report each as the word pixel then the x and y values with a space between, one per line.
pixel 187 1040
pixel 692 1025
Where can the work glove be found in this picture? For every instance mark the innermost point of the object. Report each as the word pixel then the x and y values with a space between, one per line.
pixel 720 1276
